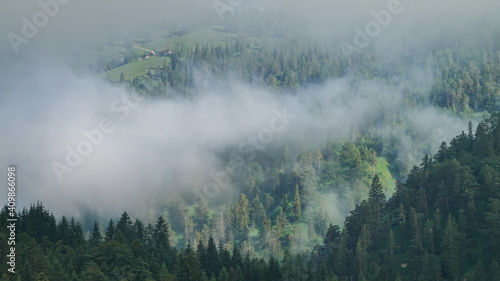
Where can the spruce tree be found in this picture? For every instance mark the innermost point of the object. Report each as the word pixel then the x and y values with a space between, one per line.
pixel 125 226
pixel 161 241
pixel 376 193
pixel 213 261
pixel 450 250
pixel 188 267
pixel 110 231
pixel 96 237
pixel 296 204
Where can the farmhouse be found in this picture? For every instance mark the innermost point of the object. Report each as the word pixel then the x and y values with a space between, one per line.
pixel 166 52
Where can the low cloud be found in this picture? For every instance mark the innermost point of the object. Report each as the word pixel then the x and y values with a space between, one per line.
pixel 165 147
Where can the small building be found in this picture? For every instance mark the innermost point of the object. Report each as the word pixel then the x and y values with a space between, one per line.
pixel 166 52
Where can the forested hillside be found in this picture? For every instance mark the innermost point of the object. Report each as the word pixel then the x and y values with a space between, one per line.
pixel 239 140
pixel 442 224
pixel 465 70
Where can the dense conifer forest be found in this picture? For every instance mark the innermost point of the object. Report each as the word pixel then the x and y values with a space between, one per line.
pixel 442 224
pixel 355 188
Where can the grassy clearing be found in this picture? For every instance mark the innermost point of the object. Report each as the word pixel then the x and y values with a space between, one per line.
pixel 137 68
pixel 162 40
pixel 388 182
